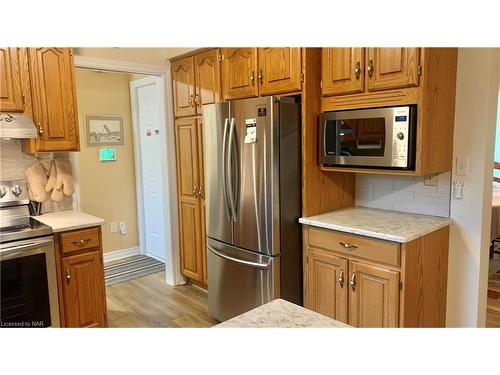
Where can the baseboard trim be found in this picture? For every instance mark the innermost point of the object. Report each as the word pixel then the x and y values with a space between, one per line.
pixel 122 253
pixel 155 257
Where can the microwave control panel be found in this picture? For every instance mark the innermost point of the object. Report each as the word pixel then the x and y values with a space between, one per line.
pixel 400 137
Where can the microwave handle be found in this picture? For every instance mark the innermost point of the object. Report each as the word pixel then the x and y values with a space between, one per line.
pixel 374 146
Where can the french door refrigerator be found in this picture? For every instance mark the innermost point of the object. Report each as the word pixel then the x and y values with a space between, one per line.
pixel 253 203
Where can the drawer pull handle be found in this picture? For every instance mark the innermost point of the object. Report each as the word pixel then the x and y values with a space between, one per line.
pixel 348 245
pixel 81 243
pixel 68 275
pixel 341 279
pixel 353 281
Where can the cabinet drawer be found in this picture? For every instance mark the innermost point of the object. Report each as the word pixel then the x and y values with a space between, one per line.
pixel 364 247
pixel 79 240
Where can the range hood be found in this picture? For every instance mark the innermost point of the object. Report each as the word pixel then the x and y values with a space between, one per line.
pixel 15 125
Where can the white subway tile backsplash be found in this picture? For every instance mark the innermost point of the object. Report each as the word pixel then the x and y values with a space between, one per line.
pixel 404 193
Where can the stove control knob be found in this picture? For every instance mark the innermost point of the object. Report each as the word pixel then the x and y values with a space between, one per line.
pixel 400 136
pixel 17 190
pixel 3 191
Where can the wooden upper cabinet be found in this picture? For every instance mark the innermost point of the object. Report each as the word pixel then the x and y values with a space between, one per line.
pixel 239 73
pixel 392 68
pixel 279 70
pixel 54 98
pixel 373 296
pixel 83 290
pixel 207 73
pixel 342 71
pixel 11 95
pixel 327 285
pixel 183 87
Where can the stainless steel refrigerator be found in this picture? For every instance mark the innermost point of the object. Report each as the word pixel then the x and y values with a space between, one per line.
pixel 253 202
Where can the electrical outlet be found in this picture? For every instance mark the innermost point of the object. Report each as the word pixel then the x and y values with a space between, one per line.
pixel 462 166
pixel 114 227
pixel 123 229
pixel 431 180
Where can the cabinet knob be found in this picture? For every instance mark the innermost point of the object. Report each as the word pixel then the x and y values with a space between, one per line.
pixel 191 100
pixel 197 100
pixel 81 242
pixel 370 67
pixel 40 129
pixel 353 281
pixel 348 245
pixel 201 192
pixel 252 77
pixel 341 279
pixel 68 275
pixel 357 69
pixel 195 191
pixel 261 76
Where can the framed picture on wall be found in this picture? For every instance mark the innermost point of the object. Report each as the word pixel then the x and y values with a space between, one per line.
pixel 104 130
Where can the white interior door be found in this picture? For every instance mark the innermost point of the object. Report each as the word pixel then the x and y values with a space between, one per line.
pixel 150 131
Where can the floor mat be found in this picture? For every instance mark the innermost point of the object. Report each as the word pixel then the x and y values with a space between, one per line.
pixel 130 268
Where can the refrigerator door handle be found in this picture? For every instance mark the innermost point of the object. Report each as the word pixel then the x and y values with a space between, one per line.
pixel 241 261
pixel 224 180
pixel 232 179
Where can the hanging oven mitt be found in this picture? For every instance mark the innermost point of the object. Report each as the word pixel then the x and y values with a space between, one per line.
pixel 64 179
pixel 36 180
pixel 52 178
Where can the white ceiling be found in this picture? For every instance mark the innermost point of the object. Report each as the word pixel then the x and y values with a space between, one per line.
pixel 154 56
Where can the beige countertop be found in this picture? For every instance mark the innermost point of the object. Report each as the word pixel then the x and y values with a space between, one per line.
pixel 384 224
pixel 61 221
pixel 281 314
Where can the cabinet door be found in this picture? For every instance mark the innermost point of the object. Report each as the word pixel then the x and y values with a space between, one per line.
pixel 54 99
pixel 183 87
pixel 342 70
pixel 373 296
pixel 279 70
pixel 189 206
pixel 392 68
pixel 11 96
pixel 201 196
pixel 239 73
pixel 207 72
pixel 327 284
pixel 84 291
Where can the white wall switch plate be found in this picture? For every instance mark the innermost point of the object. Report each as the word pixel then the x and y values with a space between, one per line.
pixel 459 189
pixel 123 229
pixel 114 227
pixel 431 180
pixel 462 164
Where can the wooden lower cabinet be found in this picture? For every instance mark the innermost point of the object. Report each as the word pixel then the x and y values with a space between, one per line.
pixel 373 296
pixel 82 292
pixel 327 286
pixel 376 283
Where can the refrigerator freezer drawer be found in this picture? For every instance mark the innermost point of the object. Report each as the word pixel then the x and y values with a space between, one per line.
pixel 240 280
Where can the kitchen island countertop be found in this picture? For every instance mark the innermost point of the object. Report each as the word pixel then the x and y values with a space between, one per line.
pixel 61 221
pixel 281 314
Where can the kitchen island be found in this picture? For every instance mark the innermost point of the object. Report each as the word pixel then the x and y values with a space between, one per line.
pixel 281 314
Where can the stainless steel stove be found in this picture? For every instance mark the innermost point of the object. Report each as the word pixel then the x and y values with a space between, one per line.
pixel 28 282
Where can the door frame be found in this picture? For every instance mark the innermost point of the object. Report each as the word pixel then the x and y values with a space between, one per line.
pixel 172 252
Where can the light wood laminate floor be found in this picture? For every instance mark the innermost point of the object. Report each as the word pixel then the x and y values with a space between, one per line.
pixel 150 302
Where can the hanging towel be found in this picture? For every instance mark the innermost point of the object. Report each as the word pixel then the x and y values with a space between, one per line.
pixel 64 179
pixel 36 180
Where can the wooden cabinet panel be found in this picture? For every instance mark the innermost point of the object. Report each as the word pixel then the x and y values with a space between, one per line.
pixel 183 87
pixel 207 73
pixel 83 288
pixel 201 196
pixel 11 96
pixel 79 240
pixel 342 70
pixel 391 68
pixel 186 141
pixel 54 99
pixel 239 73
pixel 327 284
pixel 190 239
pixel 279 70
pixel 373 296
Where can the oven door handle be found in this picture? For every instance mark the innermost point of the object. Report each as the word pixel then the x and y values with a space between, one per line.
pixel 7 249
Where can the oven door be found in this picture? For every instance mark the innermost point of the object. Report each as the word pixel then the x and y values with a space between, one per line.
pixel 28 284
pixel 377 138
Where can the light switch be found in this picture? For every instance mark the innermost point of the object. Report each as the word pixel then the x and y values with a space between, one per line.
pixel 459 189
pixel 123 229
pixel 462 166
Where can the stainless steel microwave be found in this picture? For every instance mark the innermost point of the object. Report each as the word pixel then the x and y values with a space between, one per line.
pixel 369 138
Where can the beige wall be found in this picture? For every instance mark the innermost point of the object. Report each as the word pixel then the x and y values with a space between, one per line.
pixel 107 189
